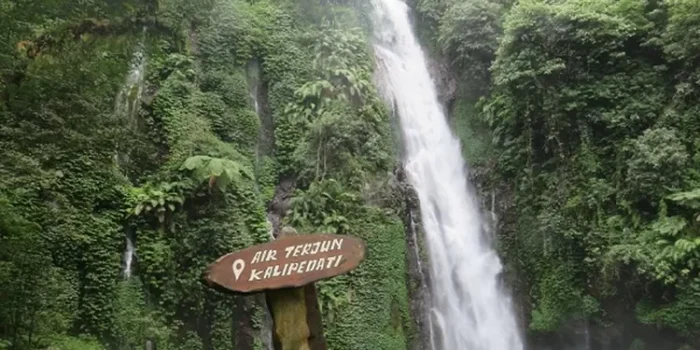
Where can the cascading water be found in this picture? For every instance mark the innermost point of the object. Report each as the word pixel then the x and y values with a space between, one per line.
pixel 583 340
pixel 129 96
pixel 128 257
pixel 587 337
pixel 253 75
pixel 125 107
pixel 469 309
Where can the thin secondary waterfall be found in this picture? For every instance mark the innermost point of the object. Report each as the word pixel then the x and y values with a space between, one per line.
pixel 125 106
pixel 254 83
pixel 129 96
pixel 253 77
pixel 470 311
pixel 583 341
pixel 128 257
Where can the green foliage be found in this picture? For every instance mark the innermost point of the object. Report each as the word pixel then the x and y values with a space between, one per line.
pixel 232 35
pixel 60 137
pixel 472 131
pixel 682 314
pixel 267 177
pixel 373 301
pixel 559 298
pixel 593 109
pixel 429 14
pixel 322 206
pixel 135 320
pixel 593 129
pixel 180 14
pixel 680 38
pixel 37 299
pixel 76 343
pixel 219 172
pixel 333 295
pixel 469 34
pixel 237 124
pixel 77 176
pixel 159 200
pixel 344 124
pixel 657 156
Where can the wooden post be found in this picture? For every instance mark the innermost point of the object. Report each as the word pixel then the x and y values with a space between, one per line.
pixel 296 317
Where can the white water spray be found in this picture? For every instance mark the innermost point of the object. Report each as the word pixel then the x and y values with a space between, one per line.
pixel 470 310
pixel 125 106
pixel 584 339
pixel 128 257
pixel 129 96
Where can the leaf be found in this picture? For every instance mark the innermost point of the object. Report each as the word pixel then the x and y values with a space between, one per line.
pixel 195 162
pixel 216 166
pixel 222 183
pixel 669 226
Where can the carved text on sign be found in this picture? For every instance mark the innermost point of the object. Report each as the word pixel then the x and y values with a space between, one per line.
pixel 287 262
pixel 289 268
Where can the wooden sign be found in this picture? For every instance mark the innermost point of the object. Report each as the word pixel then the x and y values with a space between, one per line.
pixel 291 261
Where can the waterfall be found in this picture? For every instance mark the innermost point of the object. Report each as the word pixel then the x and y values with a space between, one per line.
pixel 494 216
pixel 254 87
pixel 584 339
pixel 129 97
pixel 470 311
pixel 125 106
pixel 416 246
pixel 254 83
pixel 128 257
pixel 267 323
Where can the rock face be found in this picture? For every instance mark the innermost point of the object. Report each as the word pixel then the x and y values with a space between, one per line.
pixel 498 208
pixel 416 261
pixel 278 206
pixel 444 81
pixel 245 329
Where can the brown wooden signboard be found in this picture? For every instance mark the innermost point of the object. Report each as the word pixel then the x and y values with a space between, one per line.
pixel 291 261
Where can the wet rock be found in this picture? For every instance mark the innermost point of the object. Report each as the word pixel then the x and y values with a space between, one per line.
pixel 418 279
pixel 444 80
pixel 279 205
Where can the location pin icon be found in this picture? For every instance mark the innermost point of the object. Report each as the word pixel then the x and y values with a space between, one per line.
pixel 238 267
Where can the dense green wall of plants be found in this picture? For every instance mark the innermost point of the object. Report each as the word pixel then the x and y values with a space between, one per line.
pixel 580 115
pixel 187 175
pixel 588 130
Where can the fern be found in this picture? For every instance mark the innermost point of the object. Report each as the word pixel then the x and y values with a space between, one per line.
pixel 157 200
pixel 218 172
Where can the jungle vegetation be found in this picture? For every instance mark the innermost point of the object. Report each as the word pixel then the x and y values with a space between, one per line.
pixel 580 116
